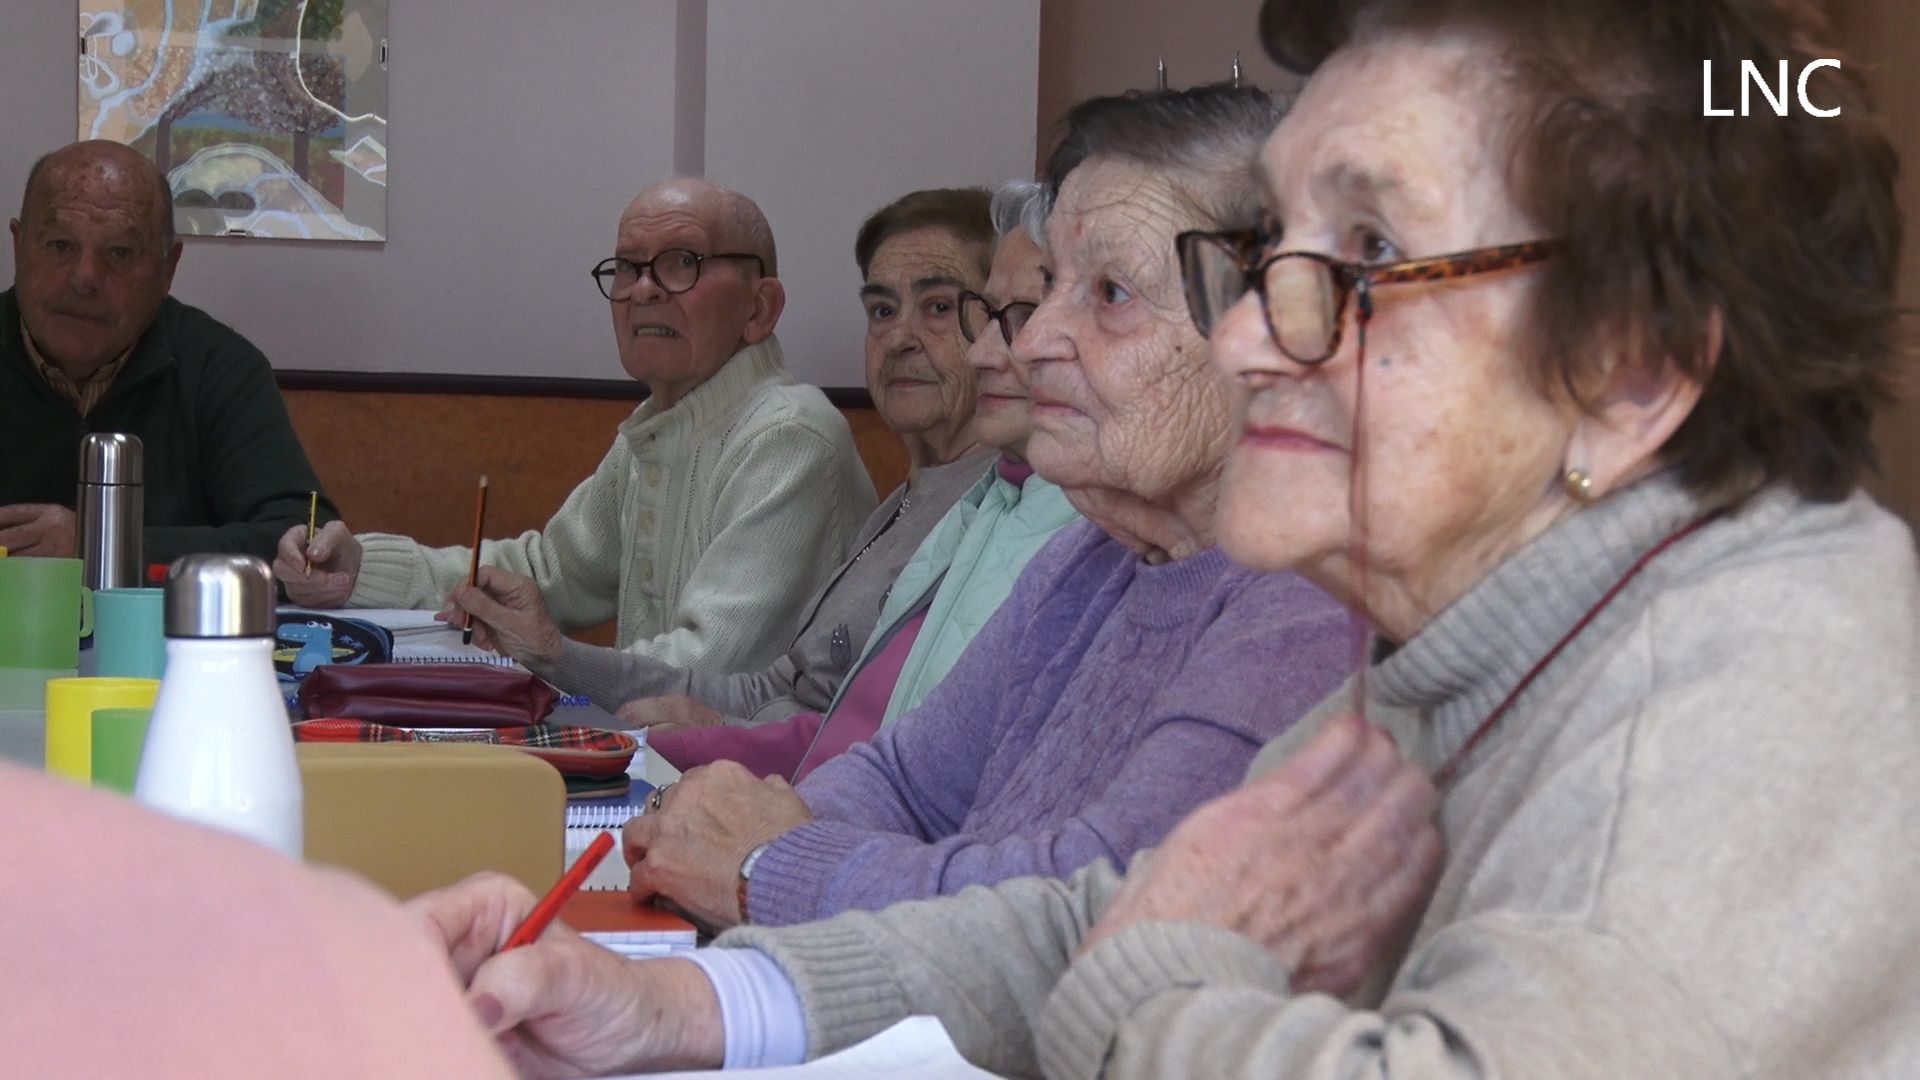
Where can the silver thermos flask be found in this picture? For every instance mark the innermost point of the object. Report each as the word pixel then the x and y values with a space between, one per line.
pixel 111 511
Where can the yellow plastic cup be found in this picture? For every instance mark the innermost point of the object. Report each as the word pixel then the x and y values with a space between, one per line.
pixel 70 707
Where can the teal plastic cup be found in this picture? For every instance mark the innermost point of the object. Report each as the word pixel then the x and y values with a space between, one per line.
pixel 129 632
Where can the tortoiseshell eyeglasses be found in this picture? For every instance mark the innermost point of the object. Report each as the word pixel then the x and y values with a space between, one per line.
pixel 1305 293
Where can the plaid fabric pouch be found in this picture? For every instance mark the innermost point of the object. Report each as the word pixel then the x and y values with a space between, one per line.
pixel 575 751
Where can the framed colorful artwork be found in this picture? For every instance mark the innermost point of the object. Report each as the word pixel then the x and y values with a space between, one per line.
pixel 268 117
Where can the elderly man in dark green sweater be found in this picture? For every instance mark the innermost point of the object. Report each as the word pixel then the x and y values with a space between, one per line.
pixel 90 341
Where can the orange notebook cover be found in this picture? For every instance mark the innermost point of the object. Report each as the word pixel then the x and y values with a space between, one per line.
pixel 616 913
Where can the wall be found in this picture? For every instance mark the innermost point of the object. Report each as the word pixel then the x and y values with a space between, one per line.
pixel 869 99
pixel 518 134
pixel 1092 47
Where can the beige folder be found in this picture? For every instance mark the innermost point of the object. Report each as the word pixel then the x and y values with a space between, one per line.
pixel 413 817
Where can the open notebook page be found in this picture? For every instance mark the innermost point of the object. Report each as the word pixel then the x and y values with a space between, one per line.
pixel 917 1046
pixel 416 651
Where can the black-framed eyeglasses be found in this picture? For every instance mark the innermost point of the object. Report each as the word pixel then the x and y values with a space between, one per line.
pixel 1304 293
pixel 976 313
pixel 675 270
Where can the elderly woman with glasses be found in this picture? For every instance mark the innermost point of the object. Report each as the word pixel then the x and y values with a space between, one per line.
pixel 1647 662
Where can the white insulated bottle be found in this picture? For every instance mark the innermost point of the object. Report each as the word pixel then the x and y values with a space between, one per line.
pixel 219 748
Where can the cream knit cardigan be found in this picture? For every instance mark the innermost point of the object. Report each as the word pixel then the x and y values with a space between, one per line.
pixel 703 530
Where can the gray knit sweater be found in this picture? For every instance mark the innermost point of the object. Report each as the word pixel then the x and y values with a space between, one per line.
pixel 1688 851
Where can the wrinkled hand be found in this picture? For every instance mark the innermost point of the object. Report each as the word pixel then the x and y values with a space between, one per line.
pixel 1327 860
pixel 564 1006
pixel 509 616
pixel 336 565
pixel 41 529
pixel 669 713
pixel 691 850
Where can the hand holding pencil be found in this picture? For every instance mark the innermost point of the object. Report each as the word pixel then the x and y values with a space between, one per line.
pixel 508 615
pixel 319 572
pixel 571 1007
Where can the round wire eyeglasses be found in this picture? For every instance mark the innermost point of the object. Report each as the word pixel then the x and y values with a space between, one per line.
pixel 674 270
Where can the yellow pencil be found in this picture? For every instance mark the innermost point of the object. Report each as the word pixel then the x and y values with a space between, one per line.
pixel 313 515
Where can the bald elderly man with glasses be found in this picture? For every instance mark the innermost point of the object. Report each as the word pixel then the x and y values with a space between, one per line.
pixel 726 498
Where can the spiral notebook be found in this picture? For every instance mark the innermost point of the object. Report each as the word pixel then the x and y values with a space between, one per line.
pixel 601 910
pixel 586 820
pixel 448 654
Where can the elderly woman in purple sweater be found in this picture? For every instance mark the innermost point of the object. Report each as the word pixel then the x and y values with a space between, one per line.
pixel 1133 671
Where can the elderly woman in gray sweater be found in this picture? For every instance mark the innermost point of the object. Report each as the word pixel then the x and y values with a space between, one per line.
pixel 1568 388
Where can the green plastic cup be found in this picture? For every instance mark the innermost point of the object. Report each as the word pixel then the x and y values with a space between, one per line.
pixel 118 737
pixel 44 612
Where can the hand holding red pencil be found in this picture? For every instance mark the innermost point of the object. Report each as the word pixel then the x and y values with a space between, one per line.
pixel 563 1006
pixel 562 891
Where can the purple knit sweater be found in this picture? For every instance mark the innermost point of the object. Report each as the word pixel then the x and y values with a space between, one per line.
pixel 1104 700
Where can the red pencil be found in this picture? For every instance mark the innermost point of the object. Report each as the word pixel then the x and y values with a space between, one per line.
pixel 473 567
pixel 569 883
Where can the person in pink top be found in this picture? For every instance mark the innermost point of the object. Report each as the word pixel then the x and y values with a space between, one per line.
pixel 136 945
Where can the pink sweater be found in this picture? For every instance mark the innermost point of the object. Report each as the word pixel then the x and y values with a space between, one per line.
pixel 794 747
pixel 136 945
